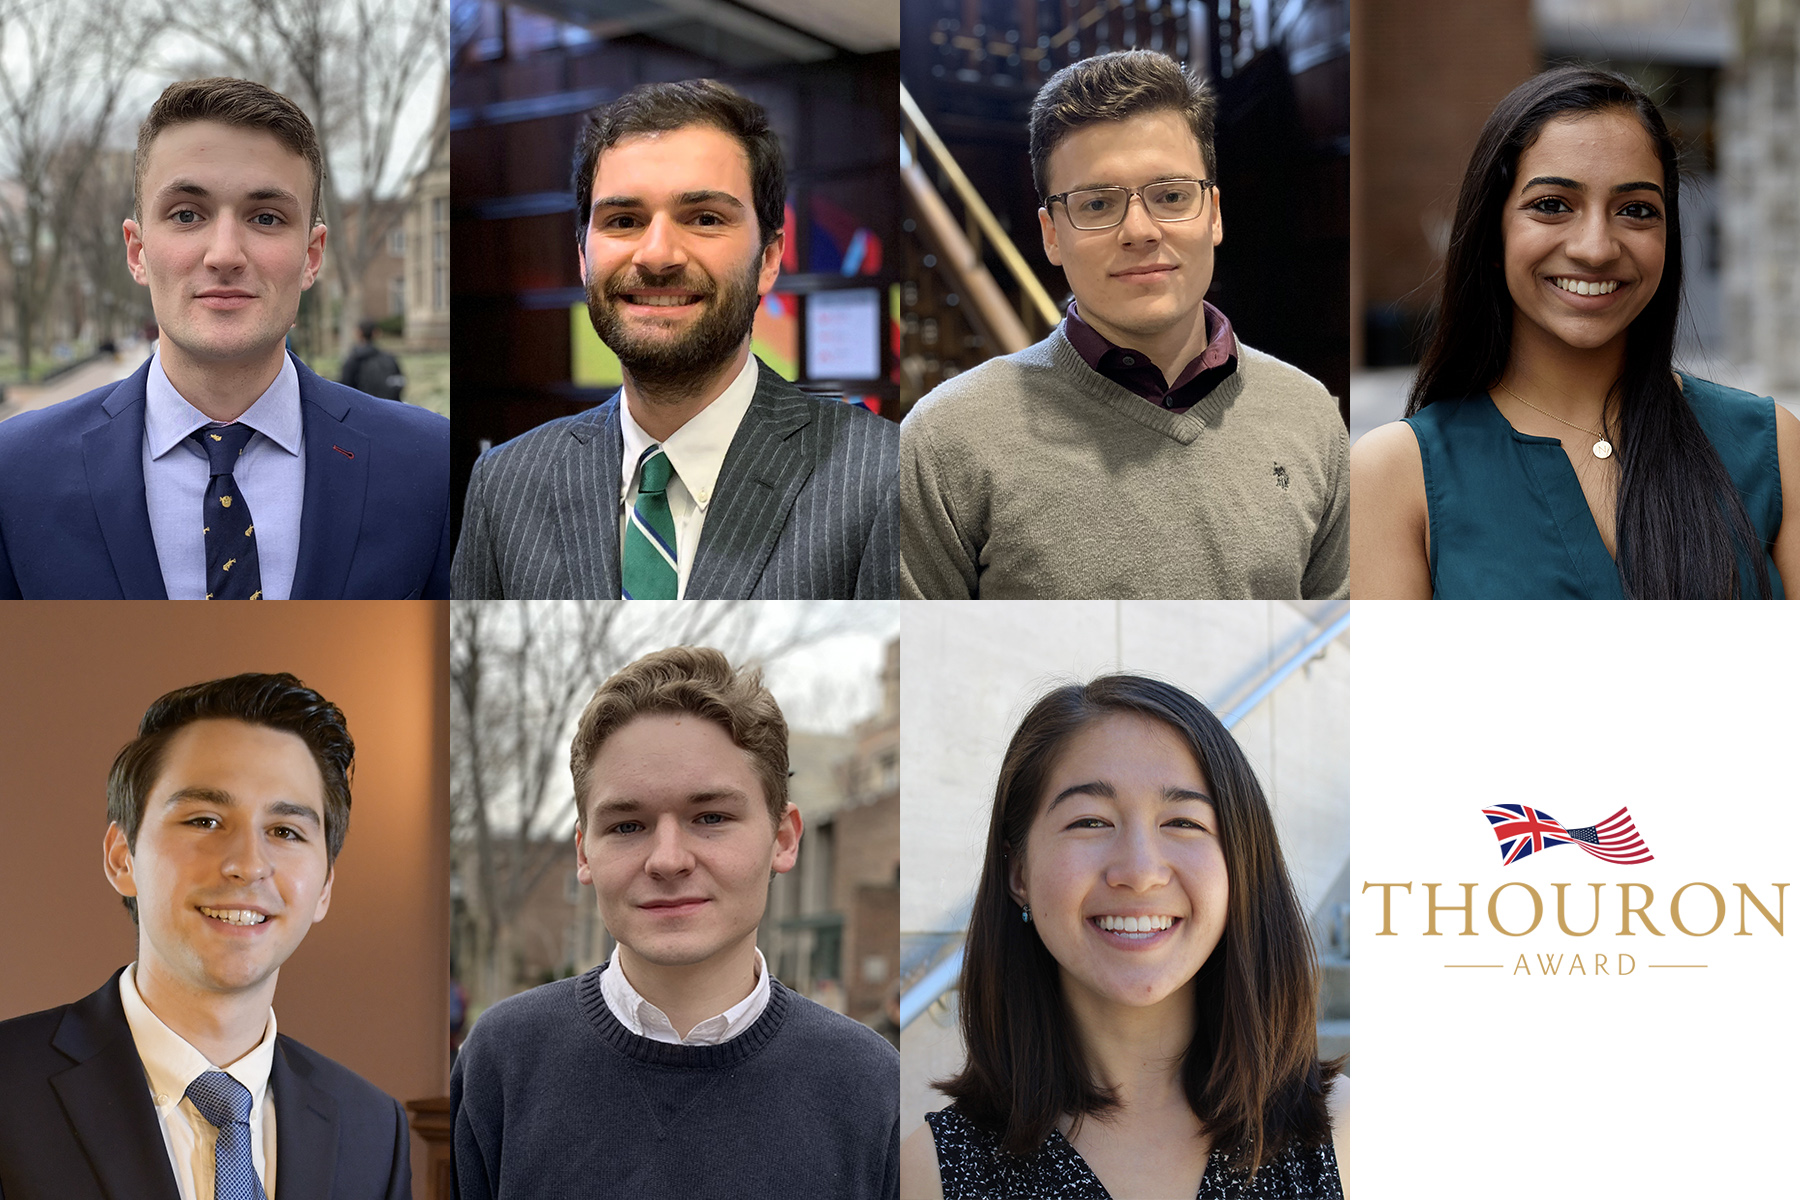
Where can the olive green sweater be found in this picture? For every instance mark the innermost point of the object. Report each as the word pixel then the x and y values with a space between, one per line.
pixel 1033 476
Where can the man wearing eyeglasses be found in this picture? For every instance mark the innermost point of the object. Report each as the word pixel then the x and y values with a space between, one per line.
pixel 1140 450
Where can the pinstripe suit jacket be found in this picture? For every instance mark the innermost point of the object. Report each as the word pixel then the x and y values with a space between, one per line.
pixel 806 507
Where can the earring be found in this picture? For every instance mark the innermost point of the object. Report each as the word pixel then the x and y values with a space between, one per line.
pixel 1027 914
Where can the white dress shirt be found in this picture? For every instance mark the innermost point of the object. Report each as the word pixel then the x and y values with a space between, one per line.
pixel 646 1020
pixel 171 1064
pixel 271 475
pixel 697 452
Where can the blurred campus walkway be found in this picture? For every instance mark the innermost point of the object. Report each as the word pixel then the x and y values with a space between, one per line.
pixel 25 397
pixel 1379 396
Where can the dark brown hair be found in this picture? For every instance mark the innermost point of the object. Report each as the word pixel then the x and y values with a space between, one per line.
pixel 238 102
pixel 687 679
pixel 1252 1072
pixel 663 107
pixel 279 702
pixel 1113 87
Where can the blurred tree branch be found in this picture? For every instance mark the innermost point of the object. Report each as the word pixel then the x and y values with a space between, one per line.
pixel 59 96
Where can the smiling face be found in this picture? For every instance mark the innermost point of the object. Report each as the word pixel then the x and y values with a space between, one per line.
pixel 1142 281
pixel 1123 867
pixel 672 257
pixel 225 243
pixel 230 868
pixel 678 843
pixel 1584 231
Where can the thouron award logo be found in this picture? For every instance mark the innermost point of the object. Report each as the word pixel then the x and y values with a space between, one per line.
pixel 1524 830
pixel 1578 928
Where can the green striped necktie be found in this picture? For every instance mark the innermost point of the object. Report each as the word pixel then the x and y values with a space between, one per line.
pixel 650 566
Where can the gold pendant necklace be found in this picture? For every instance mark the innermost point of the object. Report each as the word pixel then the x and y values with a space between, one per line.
pixel 1602 447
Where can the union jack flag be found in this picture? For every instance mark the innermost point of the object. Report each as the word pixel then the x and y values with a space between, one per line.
pixel 1524 830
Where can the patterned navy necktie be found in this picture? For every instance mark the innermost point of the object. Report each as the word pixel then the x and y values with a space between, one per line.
pixel 233 571
pixel 225 1103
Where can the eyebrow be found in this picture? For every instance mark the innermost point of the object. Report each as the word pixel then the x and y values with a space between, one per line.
pixel 1573 185
pixel 187 187
pixel 1099 787
pixel 224 799
pixel 626 806
pixel 699 196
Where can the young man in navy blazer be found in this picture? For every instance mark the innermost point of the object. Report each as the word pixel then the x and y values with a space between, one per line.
pixel 224 468
pixel 227 812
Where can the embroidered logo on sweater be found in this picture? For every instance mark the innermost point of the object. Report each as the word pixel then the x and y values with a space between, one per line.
pixel 1281 476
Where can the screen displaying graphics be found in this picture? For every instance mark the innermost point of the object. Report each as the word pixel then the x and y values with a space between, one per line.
pixel 843 334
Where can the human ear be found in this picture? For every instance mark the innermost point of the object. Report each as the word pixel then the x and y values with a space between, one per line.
pixel 117 856
pixel 134 252
pixel 787 840
pixel 324 904
pixel 1047 226
pixel 771 264
pixel 315 256
pixel 1015 878
pixel 584 873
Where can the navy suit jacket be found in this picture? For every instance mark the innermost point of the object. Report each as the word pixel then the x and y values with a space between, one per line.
pixel 77 1121
pixel 374 525
pixel 806 507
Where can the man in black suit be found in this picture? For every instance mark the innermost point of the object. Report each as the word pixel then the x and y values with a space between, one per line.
pixel 707 475
pixel 227 812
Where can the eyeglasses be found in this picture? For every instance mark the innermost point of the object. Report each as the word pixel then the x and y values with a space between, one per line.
pixel 1166 200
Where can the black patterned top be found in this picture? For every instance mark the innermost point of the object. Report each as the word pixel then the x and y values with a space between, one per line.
pixel 973 1167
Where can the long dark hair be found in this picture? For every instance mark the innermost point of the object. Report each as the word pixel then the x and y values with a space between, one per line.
pixel 1681 523
pixel 1252 1072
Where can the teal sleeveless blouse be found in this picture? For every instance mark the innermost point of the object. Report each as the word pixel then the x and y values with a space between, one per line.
pixel 1509 521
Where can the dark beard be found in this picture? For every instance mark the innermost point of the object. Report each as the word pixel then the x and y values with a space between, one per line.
pixel 678 368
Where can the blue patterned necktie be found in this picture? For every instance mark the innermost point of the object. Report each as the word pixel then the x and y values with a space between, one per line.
pixel 233 571
pixel 225 1103
pixel 649 567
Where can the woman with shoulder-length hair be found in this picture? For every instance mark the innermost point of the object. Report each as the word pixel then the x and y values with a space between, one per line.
pixel 1550 450
pixel 1138 988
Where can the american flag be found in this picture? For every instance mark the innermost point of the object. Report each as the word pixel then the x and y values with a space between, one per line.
pixel 1524 830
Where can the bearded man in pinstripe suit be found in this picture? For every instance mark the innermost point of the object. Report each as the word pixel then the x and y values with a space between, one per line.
pixel 707 475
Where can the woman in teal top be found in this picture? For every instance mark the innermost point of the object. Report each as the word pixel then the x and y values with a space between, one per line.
pixel 1550 451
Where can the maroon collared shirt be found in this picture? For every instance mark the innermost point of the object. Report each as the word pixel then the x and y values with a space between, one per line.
pixel 1133 370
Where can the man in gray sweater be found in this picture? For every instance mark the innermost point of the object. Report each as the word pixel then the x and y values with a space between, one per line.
pixel 679 1069
pixel 1140 450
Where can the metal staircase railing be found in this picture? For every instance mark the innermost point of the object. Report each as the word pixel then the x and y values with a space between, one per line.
pixel 959 246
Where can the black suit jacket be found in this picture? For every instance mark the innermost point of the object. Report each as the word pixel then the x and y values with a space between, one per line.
pixel 77 1121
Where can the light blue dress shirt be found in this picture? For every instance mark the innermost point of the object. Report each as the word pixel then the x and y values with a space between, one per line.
pixel 271 475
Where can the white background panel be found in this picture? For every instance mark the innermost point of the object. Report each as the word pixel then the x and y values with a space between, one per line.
pixel 1493 1082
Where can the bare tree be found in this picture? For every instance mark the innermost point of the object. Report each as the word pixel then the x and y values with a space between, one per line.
pixel 59 95
pixel 95 249
pixel 519 677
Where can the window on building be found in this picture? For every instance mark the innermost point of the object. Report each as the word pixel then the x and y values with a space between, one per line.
pixel 397 241
pixel 397 294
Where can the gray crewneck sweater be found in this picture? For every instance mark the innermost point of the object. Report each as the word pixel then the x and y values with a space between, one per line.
pixel 1033 476
pixel 552 1097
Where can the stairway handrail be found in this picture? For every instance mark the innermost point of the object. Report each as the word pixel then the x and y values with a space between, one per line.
pixel 1015 262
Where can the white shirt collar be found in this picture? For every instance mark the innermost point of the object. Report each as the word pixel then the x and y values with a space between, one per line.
pixel 646 1020
pixel 696 450
pixel 171 1064
pixel 169 418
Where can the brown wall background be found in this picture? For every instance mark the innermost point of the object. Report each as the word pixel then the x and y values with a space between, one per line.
pixel 369 986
